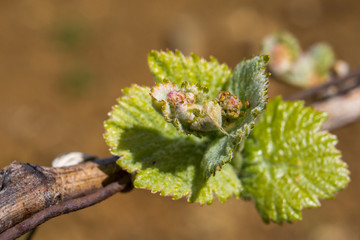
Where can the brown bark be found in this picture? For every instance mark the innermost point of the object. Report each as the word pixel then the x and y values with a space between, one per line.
pixel 62 208
pixel 27 189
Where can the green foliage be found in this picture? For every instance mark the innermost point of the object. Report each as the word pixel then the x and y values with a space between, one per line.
pixel 175 143
pixel 289 164
pixel 177 68
pixel 249 82
pixel 163 160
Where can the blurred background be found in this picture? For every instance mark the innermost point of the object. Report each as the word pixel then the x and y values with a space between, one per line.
pixel 63 64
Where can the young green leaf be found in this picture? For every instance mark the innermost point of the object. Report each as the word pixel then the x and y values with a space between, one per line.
pixel 162 160
pixel 216 155
pixel 289 164
pixel 249 82
pixel 176 68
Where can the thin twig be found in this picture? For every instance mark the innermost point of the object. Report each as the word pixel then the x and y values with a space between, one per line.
pixel 340 98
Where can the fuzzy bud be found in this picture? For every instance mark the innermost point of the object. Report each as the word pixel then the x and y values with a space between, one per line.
pixel 230 104
pixel 187 107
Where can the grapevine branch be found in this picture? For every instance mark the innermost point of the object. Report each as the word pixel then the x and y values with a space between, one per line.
pixel 31 194
pixel 63 208
pixel 339 97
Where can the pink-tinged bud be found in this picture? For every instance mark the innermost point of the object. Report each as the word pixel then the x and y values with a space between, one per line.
pixel 175 97
pixel 190 98
pixel 230 104
pixel 160 102
pixel 189 109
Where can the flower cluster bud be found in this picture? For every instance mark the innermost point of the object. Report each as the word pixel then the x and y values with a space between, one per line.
pixel 190 110
pixel 230 104
pixel 178 97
